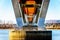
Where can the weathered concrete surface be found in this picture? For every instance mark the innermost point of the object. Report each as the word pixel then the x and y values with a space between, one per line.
pixel 16 8
pixel 44 8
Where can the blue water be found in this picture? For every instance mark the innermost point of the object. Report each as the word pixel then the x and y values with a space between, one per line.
pixel 4 35
pixel 56 35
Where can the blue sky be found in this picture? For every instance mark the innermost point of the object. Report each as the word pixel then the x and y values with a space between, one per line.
pixel 6 11
pixel 7 14
pixel 53 12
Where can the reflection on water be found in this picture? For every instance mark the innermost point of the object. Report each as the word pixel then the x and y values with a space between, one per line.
pixel 17 35
pixel 29 35
pixel 56 35
pixel 4 35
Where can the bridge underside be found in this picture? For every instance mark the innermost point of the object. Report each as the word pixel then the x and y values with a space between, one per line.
pixel 42 14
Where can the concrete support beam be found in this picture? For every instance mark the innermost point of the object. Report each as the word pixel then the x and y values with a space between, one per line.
pixel 44 8
pixel 16 8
